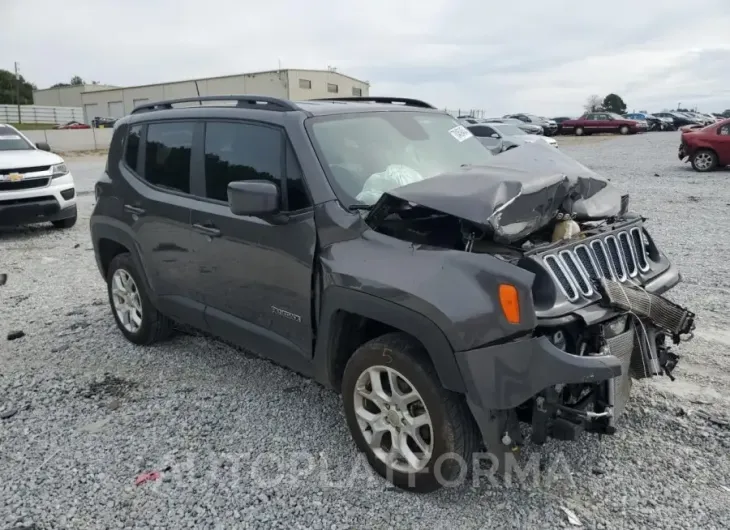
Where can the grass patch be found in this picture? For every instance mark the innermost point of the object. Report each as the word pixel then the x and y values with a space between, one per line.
pixel 33 126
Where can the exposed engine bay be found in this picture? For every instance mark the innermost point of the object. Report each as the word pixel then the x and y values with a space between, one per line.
pixel 599 276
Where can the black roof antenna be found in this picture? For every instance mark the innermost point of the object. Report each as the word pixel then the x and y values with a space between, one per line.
pixel 200 103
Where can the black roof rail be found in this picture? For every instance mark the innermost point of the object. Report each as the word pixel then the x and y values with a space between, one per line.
pixel 246 101
pixel 382 99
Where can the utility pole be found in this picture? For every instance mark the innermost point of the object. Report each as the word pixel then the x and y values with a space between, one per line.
pixel 17 91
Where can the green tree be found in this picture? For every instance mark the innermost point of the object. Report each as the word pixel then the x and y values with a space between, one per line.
pixel 726 113
pixel 8 89
pixel 614 103
pixel 75 81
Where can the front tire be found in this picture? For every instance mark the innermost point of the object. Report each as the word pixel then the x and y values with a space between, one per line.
pixel 133 312
pixel 414 433
pixel 624 130
pixel 704 160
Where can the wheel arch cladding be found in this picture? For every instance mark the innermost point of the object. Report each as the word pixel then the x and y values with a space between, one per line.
pixel 111 240
pixel 340 304
pixel 108 250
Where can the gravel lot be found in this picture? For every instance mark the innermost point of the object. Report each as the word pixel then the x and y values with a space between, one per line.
pixel 92 411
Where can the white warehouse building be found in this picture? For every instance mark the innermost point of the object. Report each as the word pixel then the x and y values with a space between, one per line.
pixel 288 84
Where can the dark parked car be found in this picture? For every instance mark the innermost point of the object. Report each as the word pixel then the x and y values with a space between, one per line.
pixel 550 128
pixel 374 245
pixel 559 120
pixel 603 122
pixel 653 123
pixel 707 148
pixel 678 119
pixel 103 123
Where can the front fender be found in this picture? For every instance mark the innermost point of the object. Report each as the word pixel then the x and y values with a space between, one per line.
pixel 457 291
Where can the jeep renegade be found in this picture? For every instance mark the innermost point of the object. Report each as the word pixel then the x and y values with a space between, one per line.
pixel 453 297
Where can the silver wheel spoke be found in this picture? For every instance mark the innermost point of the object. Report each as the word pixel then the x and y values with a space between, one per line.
pixel 377 392
pixel 405 450
pixel 379 431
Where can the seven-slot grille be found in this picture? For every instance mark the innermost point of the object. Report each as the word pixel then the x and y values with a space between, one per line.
pixel 619 256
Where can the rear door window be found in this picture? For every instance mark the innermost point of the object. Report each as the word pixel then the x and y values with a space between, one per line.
pixel 167 155
pixel 131 155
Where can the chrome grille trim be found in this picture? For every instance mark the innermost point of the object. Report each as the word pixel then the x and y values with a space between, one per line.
pixel 620 267
pixel 572 297
pixel 584 286
pixel 619 256
pixel 641 253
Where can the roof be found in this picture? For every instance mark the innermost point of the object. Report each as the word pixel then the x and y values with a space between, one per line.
pixel 84 86
pixel 231 75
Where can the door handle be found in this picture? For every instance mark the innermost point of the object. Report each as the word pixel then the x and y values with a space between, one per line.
pixel 208 230
pixel 133 209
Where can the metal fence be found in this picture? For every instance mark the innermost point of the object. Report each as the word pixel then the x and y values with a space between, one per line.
pixel 40 114
pixel 474 113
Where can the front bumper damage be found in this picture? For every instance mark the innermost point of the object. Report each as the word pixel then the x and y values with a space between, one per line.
pixel 562 394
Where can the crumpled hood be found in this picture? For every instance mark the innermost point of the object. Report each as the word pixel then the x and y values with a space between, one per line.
pixel 517 193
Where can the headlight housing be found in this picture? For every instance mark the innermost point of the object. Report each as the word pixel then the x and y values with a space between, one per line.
pixel 59 170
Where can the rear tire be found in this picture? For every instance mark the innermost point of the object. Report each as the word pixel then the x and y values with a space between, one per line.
pixel 141 323
pixel 65 223
pixel 443 446
pixel 704 160
pixel 579 131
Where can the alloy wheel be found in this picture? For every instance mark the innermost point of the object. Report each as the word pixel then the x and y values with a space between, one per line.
pixel 126 300
pixel 703 161
pixel 394 420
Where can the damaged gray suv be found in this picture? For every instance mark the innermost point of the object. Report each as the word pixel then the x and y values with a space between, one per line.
pixel 454 298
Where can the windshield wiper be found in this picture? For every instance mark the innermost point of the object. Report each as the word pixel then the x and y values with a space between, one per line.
pixel 356 207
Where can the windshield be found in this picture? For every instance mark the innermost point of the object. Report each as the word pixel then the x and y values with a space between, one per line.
pixel 10 140
pixel 508 130
pixel 615 116
pixel 369 154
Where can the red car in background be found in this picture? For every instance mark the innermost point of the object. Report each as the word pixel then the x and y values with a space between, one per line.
pixel 602 122
pixel 73 125
pixel 707 148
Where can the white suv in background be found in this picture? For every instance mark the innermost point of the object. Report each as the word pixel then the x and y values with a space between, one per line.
pixel 35 184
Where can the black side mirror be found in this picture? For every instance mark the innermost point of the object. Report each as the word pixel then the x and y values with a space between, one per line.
pixel 43 146
pixel 253 197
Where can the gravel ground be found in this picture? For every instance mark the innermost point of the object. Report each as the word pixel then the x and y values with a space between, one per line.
pixel 240 442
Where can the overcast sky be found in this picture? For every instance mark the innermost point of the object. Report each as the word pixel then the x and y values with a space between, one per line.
pixel 540 56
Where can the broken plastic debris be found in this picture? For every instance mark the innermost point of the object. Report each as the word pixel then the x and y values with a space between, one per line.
pixel 147 477
pixel 725 488
pixel 572 518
